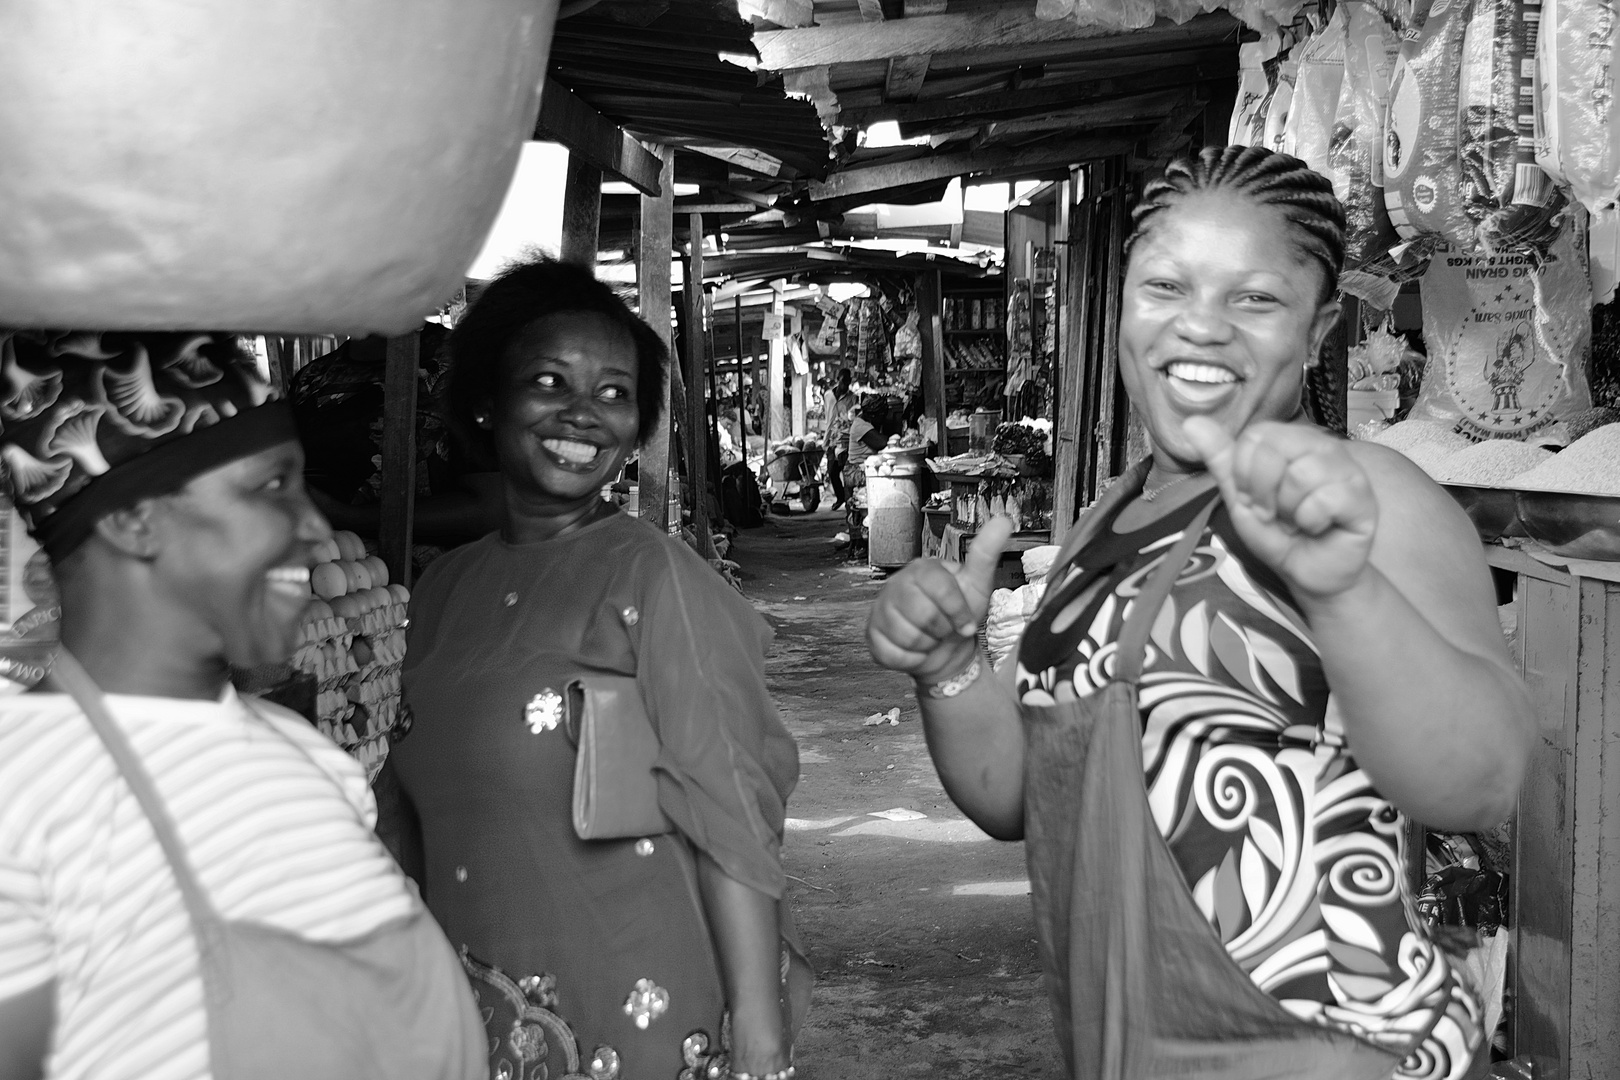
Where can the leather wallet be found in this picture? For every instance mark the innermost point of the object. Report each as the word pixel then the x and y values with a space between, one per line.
pixel 615 792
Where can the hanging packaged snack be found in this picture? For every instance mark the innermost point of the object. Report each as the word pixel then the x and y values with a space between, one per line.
pixel 1423 170
pixel 1579 118
pixel 1507 341
pixel 1512 200
pixel 1317 86
pixel 1355 155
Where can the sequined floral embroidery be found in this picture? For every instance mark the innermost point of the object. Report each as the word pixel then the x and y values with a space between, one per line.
pixel 544 711
pixel 646 1003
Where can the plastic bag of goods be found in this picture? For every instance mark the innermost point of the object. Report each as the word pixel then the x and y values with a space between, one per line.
pixel 1423 177
pixel 1316 94
pixel 1507 342
pixel 1355 154
pixel 1254 92
pixel 1282 100
pixel 1115 14
pixel 1579 117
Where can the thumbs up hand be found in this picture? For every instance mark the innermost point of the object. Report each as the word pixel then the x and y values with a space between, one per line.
pixel 926 620
pixel 1297 498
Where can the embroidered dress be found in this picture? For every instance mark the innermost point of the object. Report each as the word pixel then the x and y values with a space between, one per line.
pixel 1288 851
pixel 498 631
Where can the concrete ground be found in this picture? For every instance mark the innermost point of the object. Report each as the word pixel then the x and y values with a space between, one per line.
pixel 920 929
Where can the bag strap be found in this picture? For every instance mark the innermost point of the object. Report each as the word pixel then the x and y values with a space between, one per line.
pixel 1122 490
pixel 69 674
pixel 1130 648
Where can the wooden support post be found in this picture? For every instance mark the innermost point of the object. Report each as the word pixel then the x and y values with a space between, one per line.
pixel 1109 392
pixel 777 422
pixel 801 379
pixel 1072 360
pixel 696 427
pixel 652 274
pixel 582 212
pixel 742 396
pixel 929 302
pixel 399 456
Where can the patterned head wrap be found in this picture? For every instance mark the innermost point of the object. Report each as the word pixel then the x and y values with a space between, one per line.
pixel 94 422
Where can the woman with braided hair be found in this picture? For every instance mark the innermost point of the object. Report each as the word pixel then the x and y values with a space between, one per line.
pixel 1260 651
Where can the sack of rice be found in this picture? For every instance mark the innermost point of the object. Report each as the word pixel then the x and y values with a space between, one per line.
pixel 1492 463
pixel 1423 176
pixel 1426 443
pixel 1507 342
pixel 1590 465
pixel 1512 200
pixel 1356 155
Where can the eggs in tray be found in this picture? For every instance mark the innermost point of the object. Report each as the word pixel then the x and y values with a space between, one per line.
pixel 352 641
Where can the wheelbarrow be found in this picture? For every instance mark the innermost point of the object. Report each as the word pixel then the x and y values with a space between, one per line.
pixel 794 476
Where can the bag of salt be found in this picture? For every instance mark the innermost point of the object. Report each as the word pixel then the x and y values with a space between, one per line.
pixel 1355 155
pixel 1508 343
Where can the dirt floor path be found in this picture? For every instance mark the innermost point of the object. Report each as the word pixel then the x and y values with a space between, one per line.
pixel 920 929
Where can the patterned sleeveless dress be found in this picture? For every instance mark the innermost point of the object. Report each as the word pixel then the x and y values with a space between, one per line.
pixel 1288 850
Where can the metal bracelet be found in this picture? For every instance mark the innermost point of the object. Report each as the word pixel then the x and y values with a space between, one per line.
pixel 954 685
pixel 780 1074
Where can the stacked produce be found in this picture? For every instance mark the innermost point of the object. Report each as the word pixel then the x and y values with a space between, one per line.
pixel 972 353
pixel 1589 465
pixel 352 642
pixel 1493 463
pixel 1425 442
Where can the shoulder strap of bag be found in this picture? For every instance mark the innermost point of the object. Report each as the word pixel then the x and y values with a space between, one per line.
pixel 69 674
pixel 1131 647
pixel 1122 490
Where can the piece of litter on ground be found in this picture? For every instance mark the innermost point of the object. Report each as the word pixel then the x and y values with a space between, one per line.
pixel 888 766
pixel 890 717
pixel 970 959
pixel 898 813
pixel 801 598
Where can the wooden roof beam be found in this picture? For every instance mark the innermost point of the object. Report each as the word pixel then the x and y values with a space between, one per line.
pixel 593 137
pixel 877 178
pixel 1132 108
pixel 934 113
pixel 905 77
pixel 1010 26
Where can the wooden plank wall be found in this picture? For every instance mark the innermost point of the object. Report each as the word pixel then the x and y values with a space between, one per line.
pixel 398 493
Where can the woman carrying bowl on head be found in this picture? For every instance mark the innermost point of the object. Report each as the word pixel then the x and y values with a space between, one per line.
pixel 1260 651
pixel 642 944
pixel 189 882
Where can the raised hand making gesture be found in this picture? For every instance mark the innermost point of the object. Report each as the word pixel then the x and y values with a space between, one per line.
pixel 1298 499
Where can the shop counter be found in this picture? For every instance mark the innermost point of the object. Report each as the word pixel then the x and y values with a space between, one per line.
pixel 1565 968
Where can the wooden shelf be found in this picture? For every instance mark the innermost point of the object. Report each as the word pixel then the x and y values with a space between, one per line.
pixel 975 370
pixel 997 330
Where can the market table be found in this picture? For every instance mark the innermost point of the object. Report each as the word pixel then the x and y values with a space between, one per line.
pixel 1564 975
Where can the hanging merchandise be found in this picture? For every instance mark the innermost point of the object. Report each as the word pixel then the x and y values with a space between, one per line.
pixel 826 340
pixel 1423 167
pixel 1356 154
pixel 1020 338
pixel 1309 131
pixel 1580 118
pixel 1508 342
pixel 908 339
pixel 1281 105
pixel 1254 89
pixel 1514 202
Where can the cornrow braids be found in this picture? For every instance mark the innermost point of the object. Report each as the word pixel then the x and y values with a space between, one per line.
pixel 1304 196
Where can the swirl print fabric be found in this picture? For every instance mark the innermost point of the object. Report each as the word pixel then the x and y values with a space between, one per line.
pixel 1295 859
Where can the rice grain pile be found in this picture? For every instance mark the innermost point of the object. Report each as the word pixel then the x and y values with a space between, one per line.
pixel 1492 463
pixel 1590 465
pixel 1425 442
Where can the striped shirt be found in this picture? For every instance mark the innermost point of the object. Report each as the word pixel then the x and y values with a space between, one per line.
pixel 278 837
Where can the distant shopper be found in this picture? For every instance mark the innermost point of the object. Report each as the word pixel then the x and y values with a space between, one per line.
pixel 1260 651
pixel 189 881
pixel 642 945
pixel 840 403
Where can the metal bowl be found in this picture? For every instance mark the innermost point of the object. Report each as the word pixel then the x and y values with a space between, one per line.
pixel 1493 511
pixel 1571 524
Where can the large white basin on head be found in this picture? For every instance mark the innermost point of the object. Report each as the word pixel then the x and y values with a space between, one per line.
pixel 290 166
